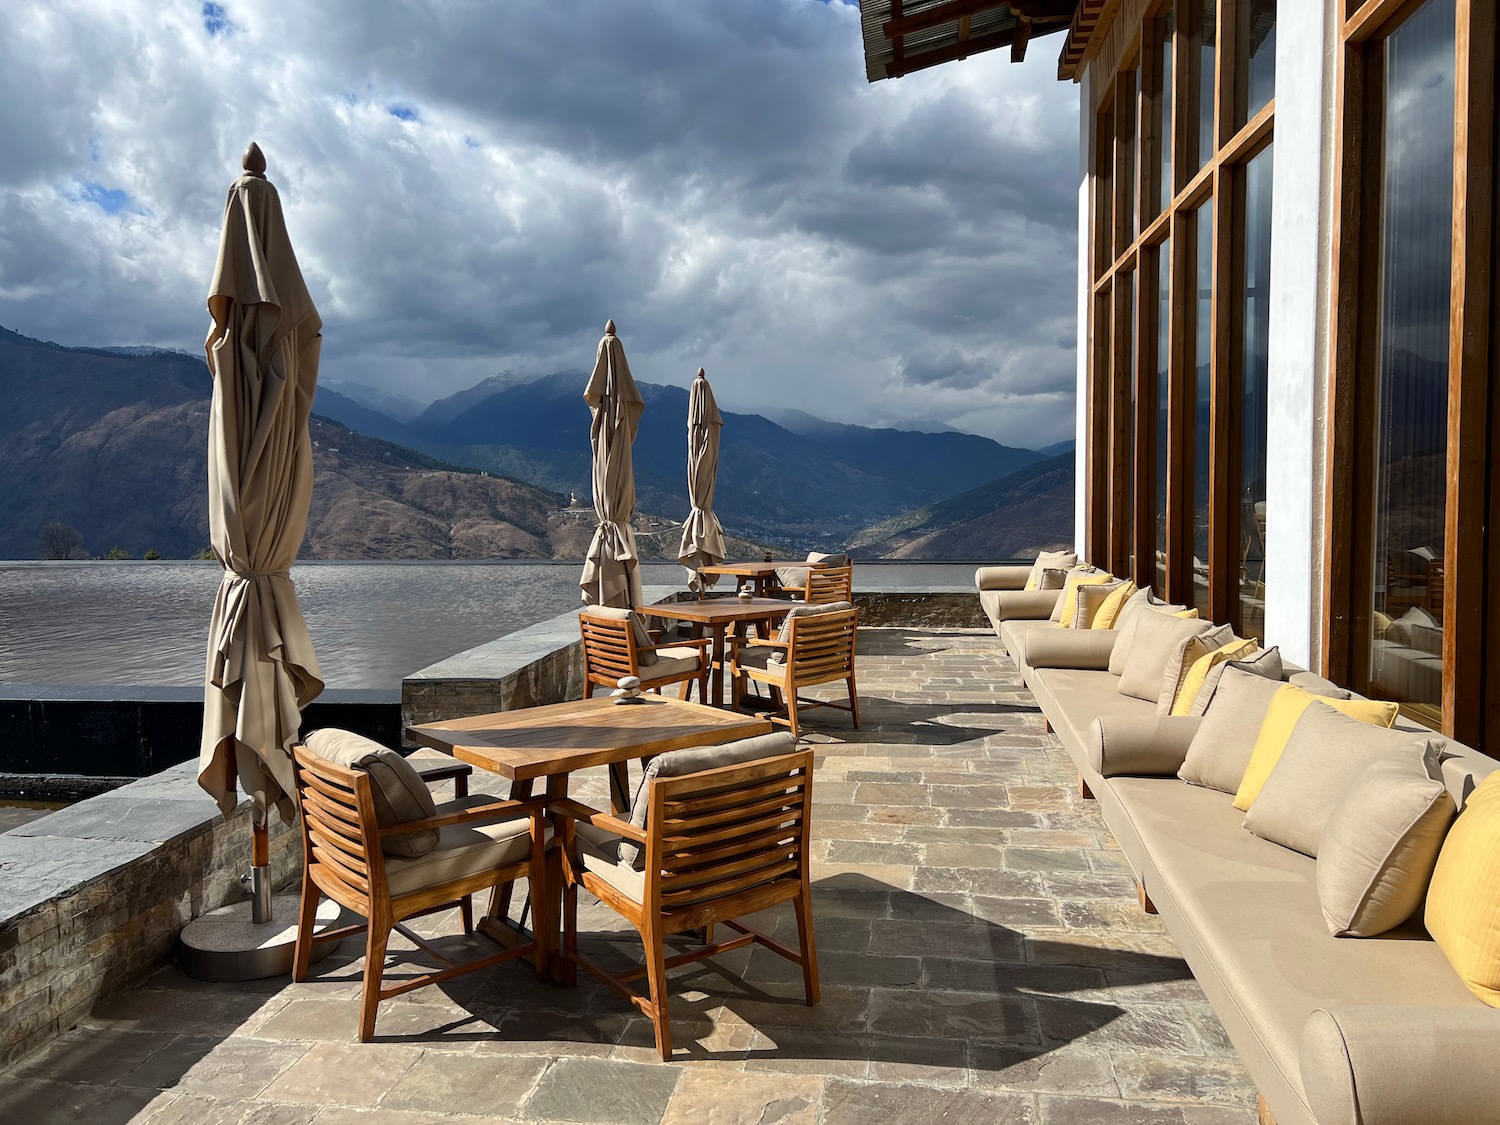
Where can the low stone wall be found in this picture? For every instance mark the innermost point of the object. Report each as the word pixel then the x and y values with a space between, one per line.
pixel 925 608
pixel 92 897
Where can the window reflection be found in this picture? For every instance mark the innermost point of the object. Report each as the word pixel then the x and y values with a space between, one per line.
pixel 1411 426
pixel 1163 399
pixel 1202 390
pixel 1255 362
pixel 1204 40
pixel 1164 125
pixel 1257 57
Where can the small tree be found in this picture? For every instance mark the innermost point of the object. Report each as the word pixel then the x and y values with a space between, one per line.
pixel 206 554
pixel 152 555
pixel 61 541
pixel 117 554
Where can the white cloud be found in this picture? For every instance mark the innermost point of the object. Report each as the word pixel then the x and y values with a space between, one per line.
pixel 475 187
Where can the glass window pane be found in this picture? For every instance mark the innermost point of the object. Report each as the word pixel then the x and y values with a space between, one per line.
pixel 1125 428
pixel 1204 38
pixel 1130 151
pixel 1199 398
pixel 1255 363
pixel 1104 200
pixel 1163 399
pixel 1256 61
pixel 1411 434
pixel 1164 127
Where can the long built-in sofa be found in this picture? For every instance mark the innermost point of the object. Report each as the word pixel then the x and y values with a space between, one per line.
pixel 1335 1030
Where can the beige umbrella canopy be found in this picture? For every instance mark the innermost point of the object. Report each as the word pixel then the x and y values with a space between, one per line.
pixel 611 572
pixel 263 351
pixel 702 537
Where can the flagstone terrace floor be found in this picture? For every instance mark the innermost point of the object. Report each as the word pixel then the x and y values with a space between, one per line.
pixel 983 960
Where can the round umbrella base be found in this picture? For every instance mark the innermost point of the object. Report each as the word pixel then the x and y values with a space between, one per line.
pixel 225 945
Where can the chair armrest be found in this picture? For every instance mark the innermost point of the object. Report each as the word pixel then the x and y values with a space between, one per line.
pixel 1084 649
pixel 1002 577
pixel 1140 745
pixel 1019 605
pixel 579 811
pixel 533 807
pixel 1398 1065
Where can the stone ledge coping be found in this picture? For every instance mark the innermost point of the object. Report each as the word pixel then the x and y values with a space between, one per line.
pixel 56 853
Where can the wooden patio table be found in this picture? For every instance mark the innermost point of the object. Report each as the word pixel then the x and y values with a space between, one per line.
pixel 763 574
pixel 715 616
pixel 552 741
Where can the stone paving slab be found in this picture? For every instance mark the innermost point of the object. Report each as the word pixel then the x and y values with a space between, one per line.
pixel 983 960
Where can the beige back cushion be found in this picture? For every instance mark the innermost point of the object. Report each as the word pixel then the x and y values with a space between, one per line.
pixel 1049 560
pixel 1076 575
pixel 1157 637
pixel 1324 756
pixel 399 794
pixel 1380 845
pixel 1220 751
pixel 1090 598
pixel 1266 663
pixel 679 763
pixel 644 654
pixel 1142 602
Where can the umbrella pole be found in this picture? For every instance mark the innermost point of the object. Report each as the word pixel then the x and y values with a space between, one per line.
pixel 260 867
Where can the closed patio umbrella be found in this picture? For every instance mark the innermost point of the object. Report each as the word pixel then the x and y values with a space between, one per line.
pixel 263 351
pixel 611 572
pixel 702 537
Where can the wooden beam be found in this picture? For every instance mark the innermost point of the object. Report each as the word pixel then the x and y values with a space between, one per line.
pixel 1469 346
pixel 950 53
pixel 1022 37
pixel 900 25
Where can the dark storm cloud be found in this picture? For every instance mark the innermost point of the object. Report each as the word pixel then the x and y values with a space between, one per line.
pixel 475 187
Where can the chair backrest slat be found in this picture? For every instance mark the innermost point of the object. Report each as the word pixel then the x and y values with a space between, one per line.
pixel 822 645
pixel 827 584
pixel 339 827
pixel 609 652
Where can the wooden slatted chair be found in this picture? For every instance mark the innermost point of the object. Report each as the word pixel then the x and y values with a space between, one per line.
pixel 477 842
pixel 829 584
pixel 616 644
pixel 713 845
pixel 815 646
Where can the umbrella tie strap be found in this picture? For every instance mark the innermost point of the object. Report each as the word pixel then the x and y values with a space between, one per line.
pixel 247 575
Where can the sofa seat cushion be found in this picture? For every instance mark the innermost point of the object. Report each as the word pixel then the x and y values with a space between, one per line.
pixel 462 849
pixel 1073 698
pixel 1247 916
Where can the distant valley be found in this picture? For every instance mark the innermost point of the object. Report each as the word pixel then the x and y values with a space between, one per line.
pixel 112 442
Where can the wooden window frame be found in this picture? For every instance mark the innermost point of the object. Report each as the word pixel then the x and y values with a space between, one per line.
pixel 1471 615
pixel 1111 421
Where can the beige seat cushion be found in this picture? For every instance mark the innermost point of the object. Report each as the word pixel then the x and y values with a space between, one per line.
pixel 1380 845
pixel 679 763
pixel 1157 637
pixel 398 792
pixel 463 849
pixel 1246 915
pixel 1015 633
pixel 600 852
pixel 674 662
pixel 645 654
pixel 1324 756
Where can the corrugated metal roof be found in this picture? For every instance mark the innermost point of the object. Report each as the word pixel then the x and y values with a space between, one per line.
pixel 1085 25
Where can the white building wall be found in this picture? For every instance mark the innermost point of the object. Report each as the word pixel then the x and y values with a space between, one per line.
pixel 1301 257
pixel 1086 121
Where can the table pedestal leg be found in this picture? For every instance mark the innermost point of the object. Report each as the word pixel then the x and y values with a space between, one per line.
pixel 548 900
pixel 718 658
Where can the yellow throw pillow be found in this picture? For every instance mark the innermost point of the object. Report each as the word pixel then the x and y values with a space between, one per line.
pixel 1197 675
pixel 1287 706
pixel 1104 617
pixel 1463 899
pixel 1070 594
pixel 1190 614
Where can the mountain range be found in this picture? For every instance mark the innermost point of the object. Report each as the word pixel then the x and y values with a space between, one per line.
pixel 112 440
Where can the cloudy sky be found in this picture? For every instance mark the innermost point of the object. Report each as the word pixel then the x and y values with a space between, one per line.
pixel 475 187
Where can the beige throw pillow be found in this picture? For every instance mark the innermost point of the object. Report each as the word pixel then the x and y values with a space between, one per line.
pixel 1048 560
pixel 1140 603
pixel 1380 845
pixel 1076 575
pixel 1182 659
pixel 1221 748
pixel 1266 663
pixel 1158 636
pixel 398 792
pixel 1090 599
pixel 1053 578
pixel 1324 756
